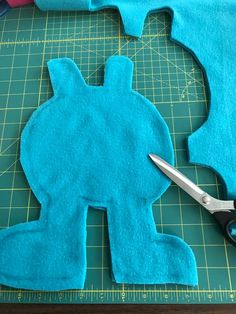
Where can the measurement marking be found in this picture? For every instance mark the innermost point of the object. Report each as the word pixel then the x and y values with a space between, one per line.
pixel 127 291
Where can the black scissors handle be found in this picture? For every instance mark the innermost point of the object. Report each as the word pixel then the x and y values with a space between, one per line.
pixel 224 211
pixel 227 222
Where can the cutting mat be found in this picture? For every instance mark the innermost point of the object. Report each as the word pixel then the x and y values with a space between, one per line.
pixel 168 76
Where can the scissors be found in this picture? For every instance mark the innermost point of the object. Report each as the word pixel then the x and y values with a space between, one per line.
pixel 223 211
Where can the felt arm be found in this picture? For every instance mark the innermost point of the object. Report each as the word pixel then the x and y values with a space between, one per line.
pixel 133 22
pixel 119 73
pixel 65 76
pixel 133 13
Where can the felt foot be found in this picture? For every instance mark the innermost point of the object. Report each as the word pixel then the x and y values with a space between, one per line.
pixel 143 256
pixel 38 255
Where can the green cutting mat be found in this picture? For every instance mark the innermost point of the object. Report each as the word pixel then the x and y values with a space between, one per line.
pixel 168 76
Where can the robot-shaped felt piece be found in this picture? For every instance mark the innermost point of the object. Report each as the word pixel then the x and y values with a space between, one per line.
pixel 89 146
pixel 207 28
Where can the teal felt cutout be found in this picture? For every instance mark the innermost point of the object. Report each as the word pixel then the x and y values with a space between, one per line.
pixel 207 28
pixel 89 146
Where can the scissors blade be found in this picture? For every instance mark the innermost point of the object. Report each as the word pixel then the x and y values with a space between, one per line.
pixel 188 186
pixel 210 203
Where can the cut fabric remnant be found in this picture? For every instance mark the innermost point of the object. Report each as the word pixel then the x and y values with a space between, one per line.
pixel 89 146
pixel 207 28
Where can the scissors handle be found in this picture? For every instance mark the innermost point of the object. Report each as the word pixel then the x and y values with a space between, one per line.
pixel 227 222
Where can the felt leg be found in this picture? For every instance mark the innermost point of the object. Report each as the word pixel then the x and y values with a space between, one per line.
pixel 140 255
pixel 48 254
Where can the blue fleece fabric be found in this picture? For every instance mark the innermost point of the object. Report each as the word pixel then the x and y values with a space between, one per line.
pixel 207 28
pixel 89 146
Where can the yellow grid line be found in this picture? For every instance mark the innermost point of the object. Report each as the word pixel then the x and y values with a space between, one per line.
pixel 66 40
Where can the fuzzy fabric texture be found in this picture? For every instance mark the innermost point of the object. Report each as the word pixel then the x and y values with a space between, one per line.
pixel 89 146
pixel 19 3
pixel 206 28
